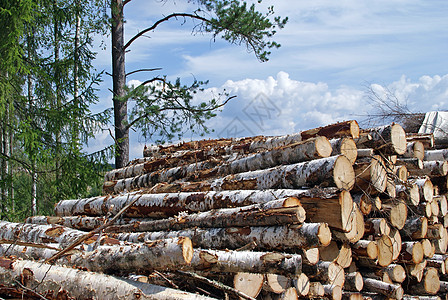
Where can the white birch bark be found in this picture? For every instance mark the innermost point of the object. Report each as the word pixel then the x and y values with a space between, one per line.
pixel 330 171
pixel 171 204
pixel 389 139
pixel 441 154
pixel 276 212
pixel 169 254
pixel 245 261
pixel 50 279
pixel 308 235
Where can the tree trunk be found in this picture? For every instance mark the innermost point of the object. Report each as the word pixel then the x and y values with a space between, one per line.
pixel 415 228
pixel 430 284
pixel 276 212
pixel 64 282
pixel 353 282
pixel 441 154
pixel 426 188
pixel 331 171
pixel 299 152
pixel 365 248
pixel 316 290
pixel 169 254
pixel 334 210
pixel 39 234
pixel 248 283
pixel 415 149
pixel 119 82
pixel 171 204
pixel 245 261
pixel 302 284
pixel 308 235
pixel 345 146
pixel 432 168
pixel 394 291
pixel 326 271
pixel 276 283
pixel 411 252
pixel 333 292
pixel 371 175
pixel 389 139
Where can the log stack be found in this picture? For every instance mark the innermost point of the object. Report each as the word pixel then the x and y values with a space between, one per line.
pixel 331 213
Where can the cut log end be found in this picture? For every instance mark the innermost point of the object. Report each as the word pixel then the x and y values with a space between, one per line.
pixel 349 149
pixel 398 139
pixel 248 283
pixel 187 248
pixel 302 284
pixel 323 146
pixel 324 234
pixel 343 173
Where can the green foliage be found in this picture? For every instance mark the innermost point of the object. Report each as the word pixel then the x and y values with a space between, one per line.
pixel 238 23
pixel 163 109
pixel 46 93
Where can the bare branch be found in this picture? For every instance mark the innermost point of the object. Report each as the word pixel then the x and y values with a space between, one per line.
pixel 154 26
pixel 143 70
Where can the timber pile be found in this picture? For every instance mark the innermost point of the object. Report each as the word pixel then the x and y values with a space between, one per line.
pixel 333 212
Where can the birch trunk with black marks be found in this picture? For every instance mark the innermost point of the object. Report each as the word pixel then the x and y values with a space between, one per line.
pixel 331 171
pixel 272 237
pixel 389 139
pixel 346 147
pixel 171 204
pixel 415 149
pixel 441 154
pixel 54 280
pixel 353 282
pixel 276 212
pixel 329 272
pixel 394 291
pixel 245 261
pixel 170 254
pixel 371 175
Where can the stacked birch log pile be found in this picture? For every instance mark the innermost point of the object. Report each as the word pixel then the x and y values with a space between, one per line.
pixel 330 213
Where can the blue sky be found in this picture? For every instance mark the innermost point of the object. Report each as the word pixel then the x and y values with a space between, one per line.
pixel 332 51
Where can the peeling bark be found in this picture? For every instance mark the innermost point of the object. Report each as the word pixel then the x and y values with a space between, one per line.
pixel 330 171
pixel 171 204
pixel 55 280
pixel 169 254
pixel 246 261
pixel 272 237
pixel 276 212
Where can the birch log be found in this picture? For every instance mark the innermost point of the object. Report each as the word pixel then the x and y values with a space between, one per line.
pixel 77 284
pixel 276 212
pixel 171 204
pixel 169 254
pixel 302 284
pixel 441 154
pixel 326 271
pixel 430 284
pixel 394 291
pixel 248 283
pixel 333 209
pixel 331 171
pixel 432 168
pixel 346 147
pixel 389 139
pixel 308 235
pixel 409 192
pixel 353 282
pixel 415 228
pixel 370 175
pixel 415 149
pixel 365 248
pixel 411 252
pixel 245 261
pixel 425 187
pixel 40 234
pixel 426 138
